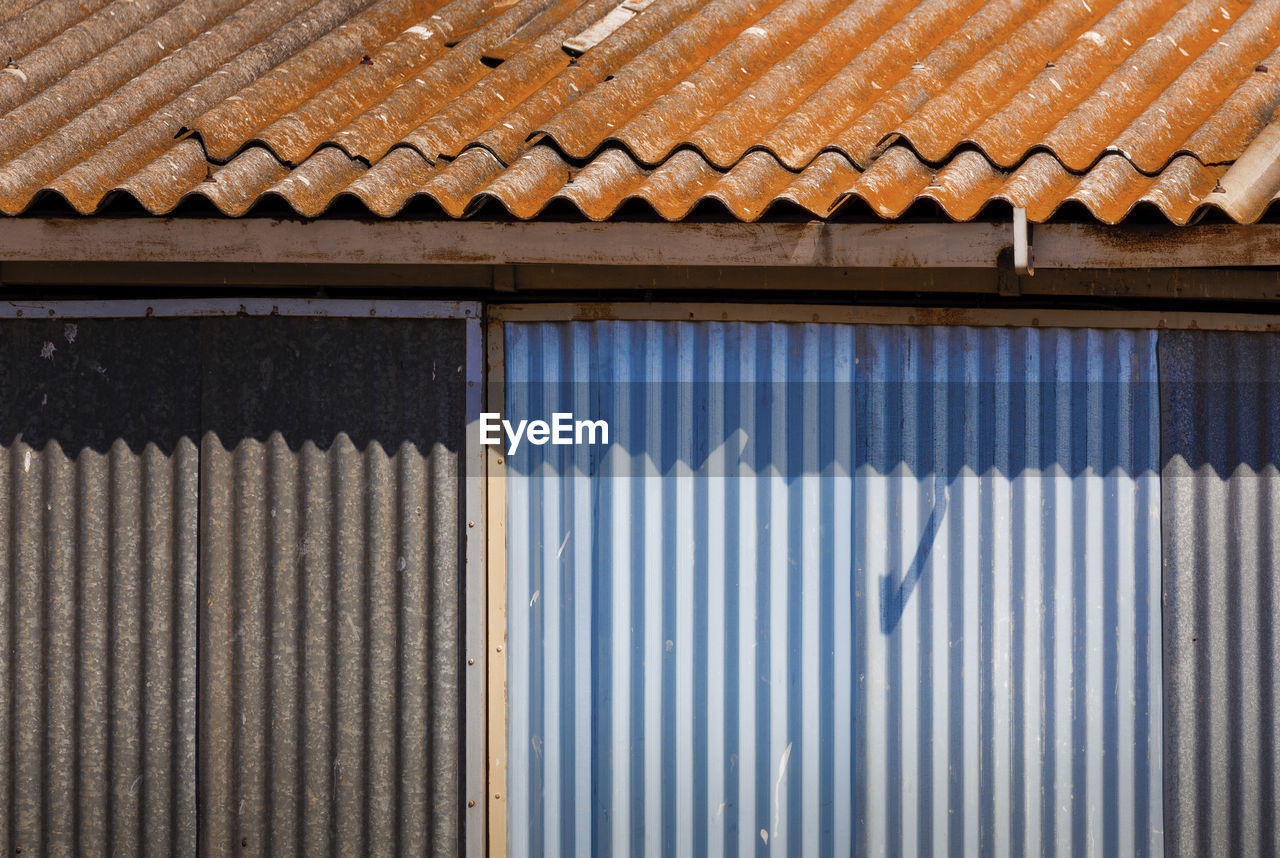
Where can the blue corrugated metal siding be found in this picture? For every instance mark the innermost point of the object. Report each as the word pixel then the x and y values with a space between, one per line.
pixel 835 588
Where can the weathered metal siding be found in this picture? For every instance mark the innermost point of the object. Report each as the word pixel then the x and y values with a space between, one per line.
pixel 98 545
pixel 1220 416
pixel 258 520
pixel 331 715
pixel 835 589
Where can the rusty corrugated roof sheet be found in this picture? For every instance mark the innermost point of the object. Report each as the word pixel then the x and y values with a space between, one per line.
pixel 592 104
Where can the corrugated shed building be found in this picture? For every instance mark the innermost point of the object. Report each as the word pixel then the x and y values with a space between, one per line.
pixel 935 342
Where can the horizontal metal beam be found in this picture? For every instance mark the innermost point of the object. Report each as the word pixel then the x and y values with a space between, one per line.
pixel 329 307
pixel 1156 246
pixel 144 279
pixel 815 244
pixel 500 243
pixel 880 315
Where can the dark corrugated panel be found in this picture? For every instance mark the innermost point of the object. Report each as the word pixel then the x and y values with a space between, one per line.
pixel 295 482
pixel 98 547
pixel 1220 415
pixel 331 715
pixel 1109 104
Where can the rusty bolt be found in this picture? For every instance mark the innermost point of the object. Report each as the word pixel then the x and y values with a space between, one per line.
pixel 471 803
pixel 471 661
pixel 471 524
pixel 497 795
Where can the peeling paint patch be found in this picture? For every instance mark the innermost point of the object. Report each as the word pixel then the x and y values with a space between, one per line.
pixel 47 351
pixel 777 786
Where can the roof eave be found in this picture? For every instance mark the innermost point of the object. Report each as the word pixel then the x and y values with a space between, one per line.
pixel 814 244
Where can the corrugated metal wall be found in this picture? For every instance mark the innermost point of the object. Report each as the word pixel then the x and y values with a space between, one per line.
pixel 98 541
pixel 1220 405
pixel 832 589
pixel 331 713
pixel 272 505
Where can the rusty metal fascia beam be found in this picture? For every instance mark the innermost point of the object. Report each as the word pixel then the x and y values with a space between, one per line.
pixel 263 240
pixel 879 315
pixel 245 280
pixel 815 244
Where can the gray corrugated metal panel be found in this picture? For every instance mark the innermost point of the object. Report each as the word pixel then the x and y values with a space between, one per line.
pixel 835 590
pixel 331 720
pixel 1220 414
pixel 98 488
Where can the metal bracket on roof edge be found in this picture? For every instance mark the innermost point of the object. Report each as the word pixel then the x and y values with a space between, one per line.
pixel 1023 254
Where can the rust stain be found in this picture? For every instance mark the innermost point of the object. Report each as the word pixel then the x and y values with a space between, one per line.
pixel 743 108
pixel 592 313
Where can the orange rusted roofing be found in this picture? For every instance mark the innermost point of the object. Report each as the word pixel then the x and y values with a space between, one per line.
pixel 591 104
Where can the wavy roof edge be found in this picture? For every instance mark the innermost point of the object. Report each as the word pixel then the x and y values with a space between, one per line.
pixel 1244 193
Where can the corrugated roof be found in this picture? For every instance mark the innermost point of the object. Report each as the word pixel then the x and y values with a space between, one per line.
pixel 748 104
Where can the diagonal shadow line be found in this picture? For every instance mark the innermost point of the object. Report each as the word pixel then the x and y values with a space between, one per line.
pixel 893 600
